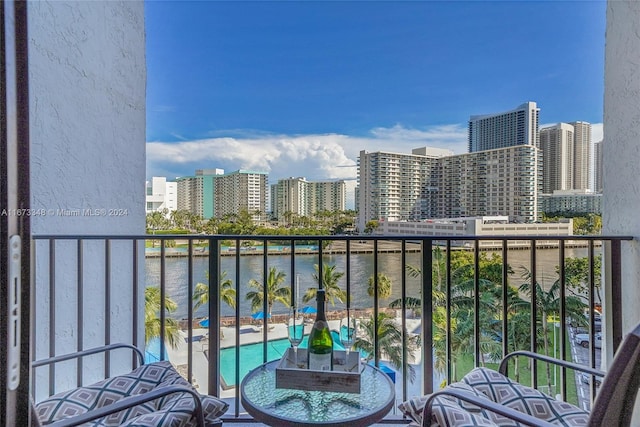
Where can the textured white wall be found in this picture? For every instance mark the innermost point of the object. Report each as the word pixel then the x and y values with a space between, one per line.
pixel 621 150
pixel 87 101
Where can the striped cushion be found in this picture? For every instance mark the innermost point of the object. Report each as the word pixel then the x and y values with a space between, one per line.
pixel 175 409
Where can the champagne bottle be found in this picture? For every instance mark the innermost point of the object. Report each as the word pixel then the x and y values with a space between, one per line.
pixel 320 349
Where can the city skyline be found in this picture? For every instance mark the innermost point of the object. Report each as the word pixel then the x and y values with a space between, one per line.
pixel 234 90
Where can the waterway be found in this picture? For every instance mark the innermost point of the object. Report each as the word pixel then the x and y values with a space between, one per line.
pixel 176 271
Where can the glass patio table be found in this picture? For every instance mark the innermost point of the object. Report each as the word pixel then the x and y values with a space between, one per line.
pixel 288 407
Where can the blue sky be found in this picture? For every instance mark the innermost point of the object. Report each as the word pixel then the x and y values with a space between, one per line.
pixel 299 88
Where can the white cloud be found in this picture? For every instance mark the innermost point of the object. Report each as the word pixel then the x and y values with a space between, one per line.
pixel 317 156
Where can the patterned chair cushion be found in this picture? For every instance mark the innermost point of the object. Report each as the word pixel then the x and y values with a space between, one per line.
pixel 447 410
pixel 525 399
pixel 175 409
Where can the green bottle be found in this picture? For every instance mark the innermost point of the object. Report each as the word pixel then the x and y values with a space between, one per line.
pixel 320 349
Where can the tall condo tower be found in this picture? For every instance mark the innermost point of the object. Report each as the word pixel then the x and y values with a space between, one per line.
pixel 557 144
pixel 508 129
pixel 582 155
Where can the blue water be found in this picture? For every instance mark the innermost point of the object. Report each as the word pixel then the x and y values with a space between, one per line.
pixel 152 351
pixel 251 356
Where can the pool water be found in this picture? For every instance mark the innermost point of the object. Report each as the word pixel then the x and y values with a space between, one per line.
pixel 251 356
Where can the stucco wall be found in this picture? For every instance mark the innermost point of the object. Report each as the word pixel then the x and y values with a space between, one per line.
pixel 87 101
pixel 621 150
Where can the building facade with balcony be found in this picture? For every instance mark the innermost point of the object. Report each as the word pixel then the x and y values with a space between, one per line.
pixel 396 186
pixel 412 187
pixel 241 190
pixel 196 193
pixel 306 198
pixel 557 145
pixel 519 126
pixel 571 201
pixel 161 195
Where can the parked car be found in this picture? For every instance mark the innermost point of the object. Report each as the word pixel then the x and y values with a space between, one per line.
pixel 582 323
pixel 583 340
pixel 586 379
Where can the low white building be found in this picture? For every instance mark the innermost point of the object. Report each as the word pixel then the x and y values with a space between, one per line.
pixel 161 195
pixel 477 226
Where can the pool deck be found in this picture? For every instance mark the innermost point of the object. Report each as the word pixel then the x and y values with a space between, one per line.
pixel 253 334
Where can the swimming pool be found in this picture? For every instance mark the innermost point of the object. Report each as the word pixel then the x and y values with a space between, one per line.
pixel 251 357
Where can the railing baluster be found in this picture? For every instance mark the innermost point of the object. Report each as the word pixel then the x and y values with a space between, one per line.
pixel 79 310
pixel 534 312
pixel 52 314
pixel 107 306
pixel 427 316
pixel 214 317
pixel 476 302
pixel 563 315
pixel 163 316
pixel 237 315
pixel 190 313
pixel 376 326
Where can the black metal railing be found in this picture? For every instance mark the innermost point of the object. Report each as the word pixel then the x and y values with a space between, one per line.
pixel 63 267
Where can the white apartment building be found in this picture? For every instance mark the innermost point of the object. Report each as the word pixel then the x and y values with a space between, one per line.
pixel 581 155
pixel 161 195
pixel 196 193
pixel 566 152
pixel 396 186
pixel 516 127
pixel 306 198
pixel 413 187
pixel 241 190
pixel 557 144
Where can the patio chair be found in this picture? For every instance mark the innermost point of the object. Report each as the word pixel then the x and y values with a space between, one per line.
pixel 151 395
pixel 488 398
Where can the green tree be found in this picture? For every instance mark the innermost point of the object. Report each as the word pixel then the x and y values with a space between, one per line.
pixel 275 289
pixel 548 304
pixel 330 279
pixel 152 322
pixel 389 336
pixel 384 286
pixel 371 226
pixel 227 292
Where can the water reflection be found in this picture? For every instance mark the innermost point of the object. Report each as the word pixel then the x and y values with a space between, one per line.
pixel 251 267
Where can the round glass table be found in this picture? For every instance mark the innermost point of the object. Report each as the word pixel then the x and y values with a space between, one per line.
pixel 288 407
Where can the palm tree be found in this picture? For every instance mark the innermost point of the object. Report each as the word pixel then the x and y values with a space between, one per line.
pixel 548 304
pixel 384 286
pixel 389 336
pixel 152 324
pixel 275 290
pixel 330 279
pixel 227 292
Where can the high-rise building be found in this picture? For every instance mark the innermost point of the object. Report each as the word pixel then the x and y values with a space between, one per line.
pixel 395 185
pixel 557 144
pixel 412 187
pixel 581 155
pixel 305 198
pixel 212 193
pixel 161 195
pixel 508 129
pixel 597 148
pixel 196 193
pixel 241 191
pixel 504 181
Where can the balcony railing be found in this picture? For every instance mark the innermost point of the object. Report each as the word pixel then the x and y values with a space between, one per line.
pixel 469 311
